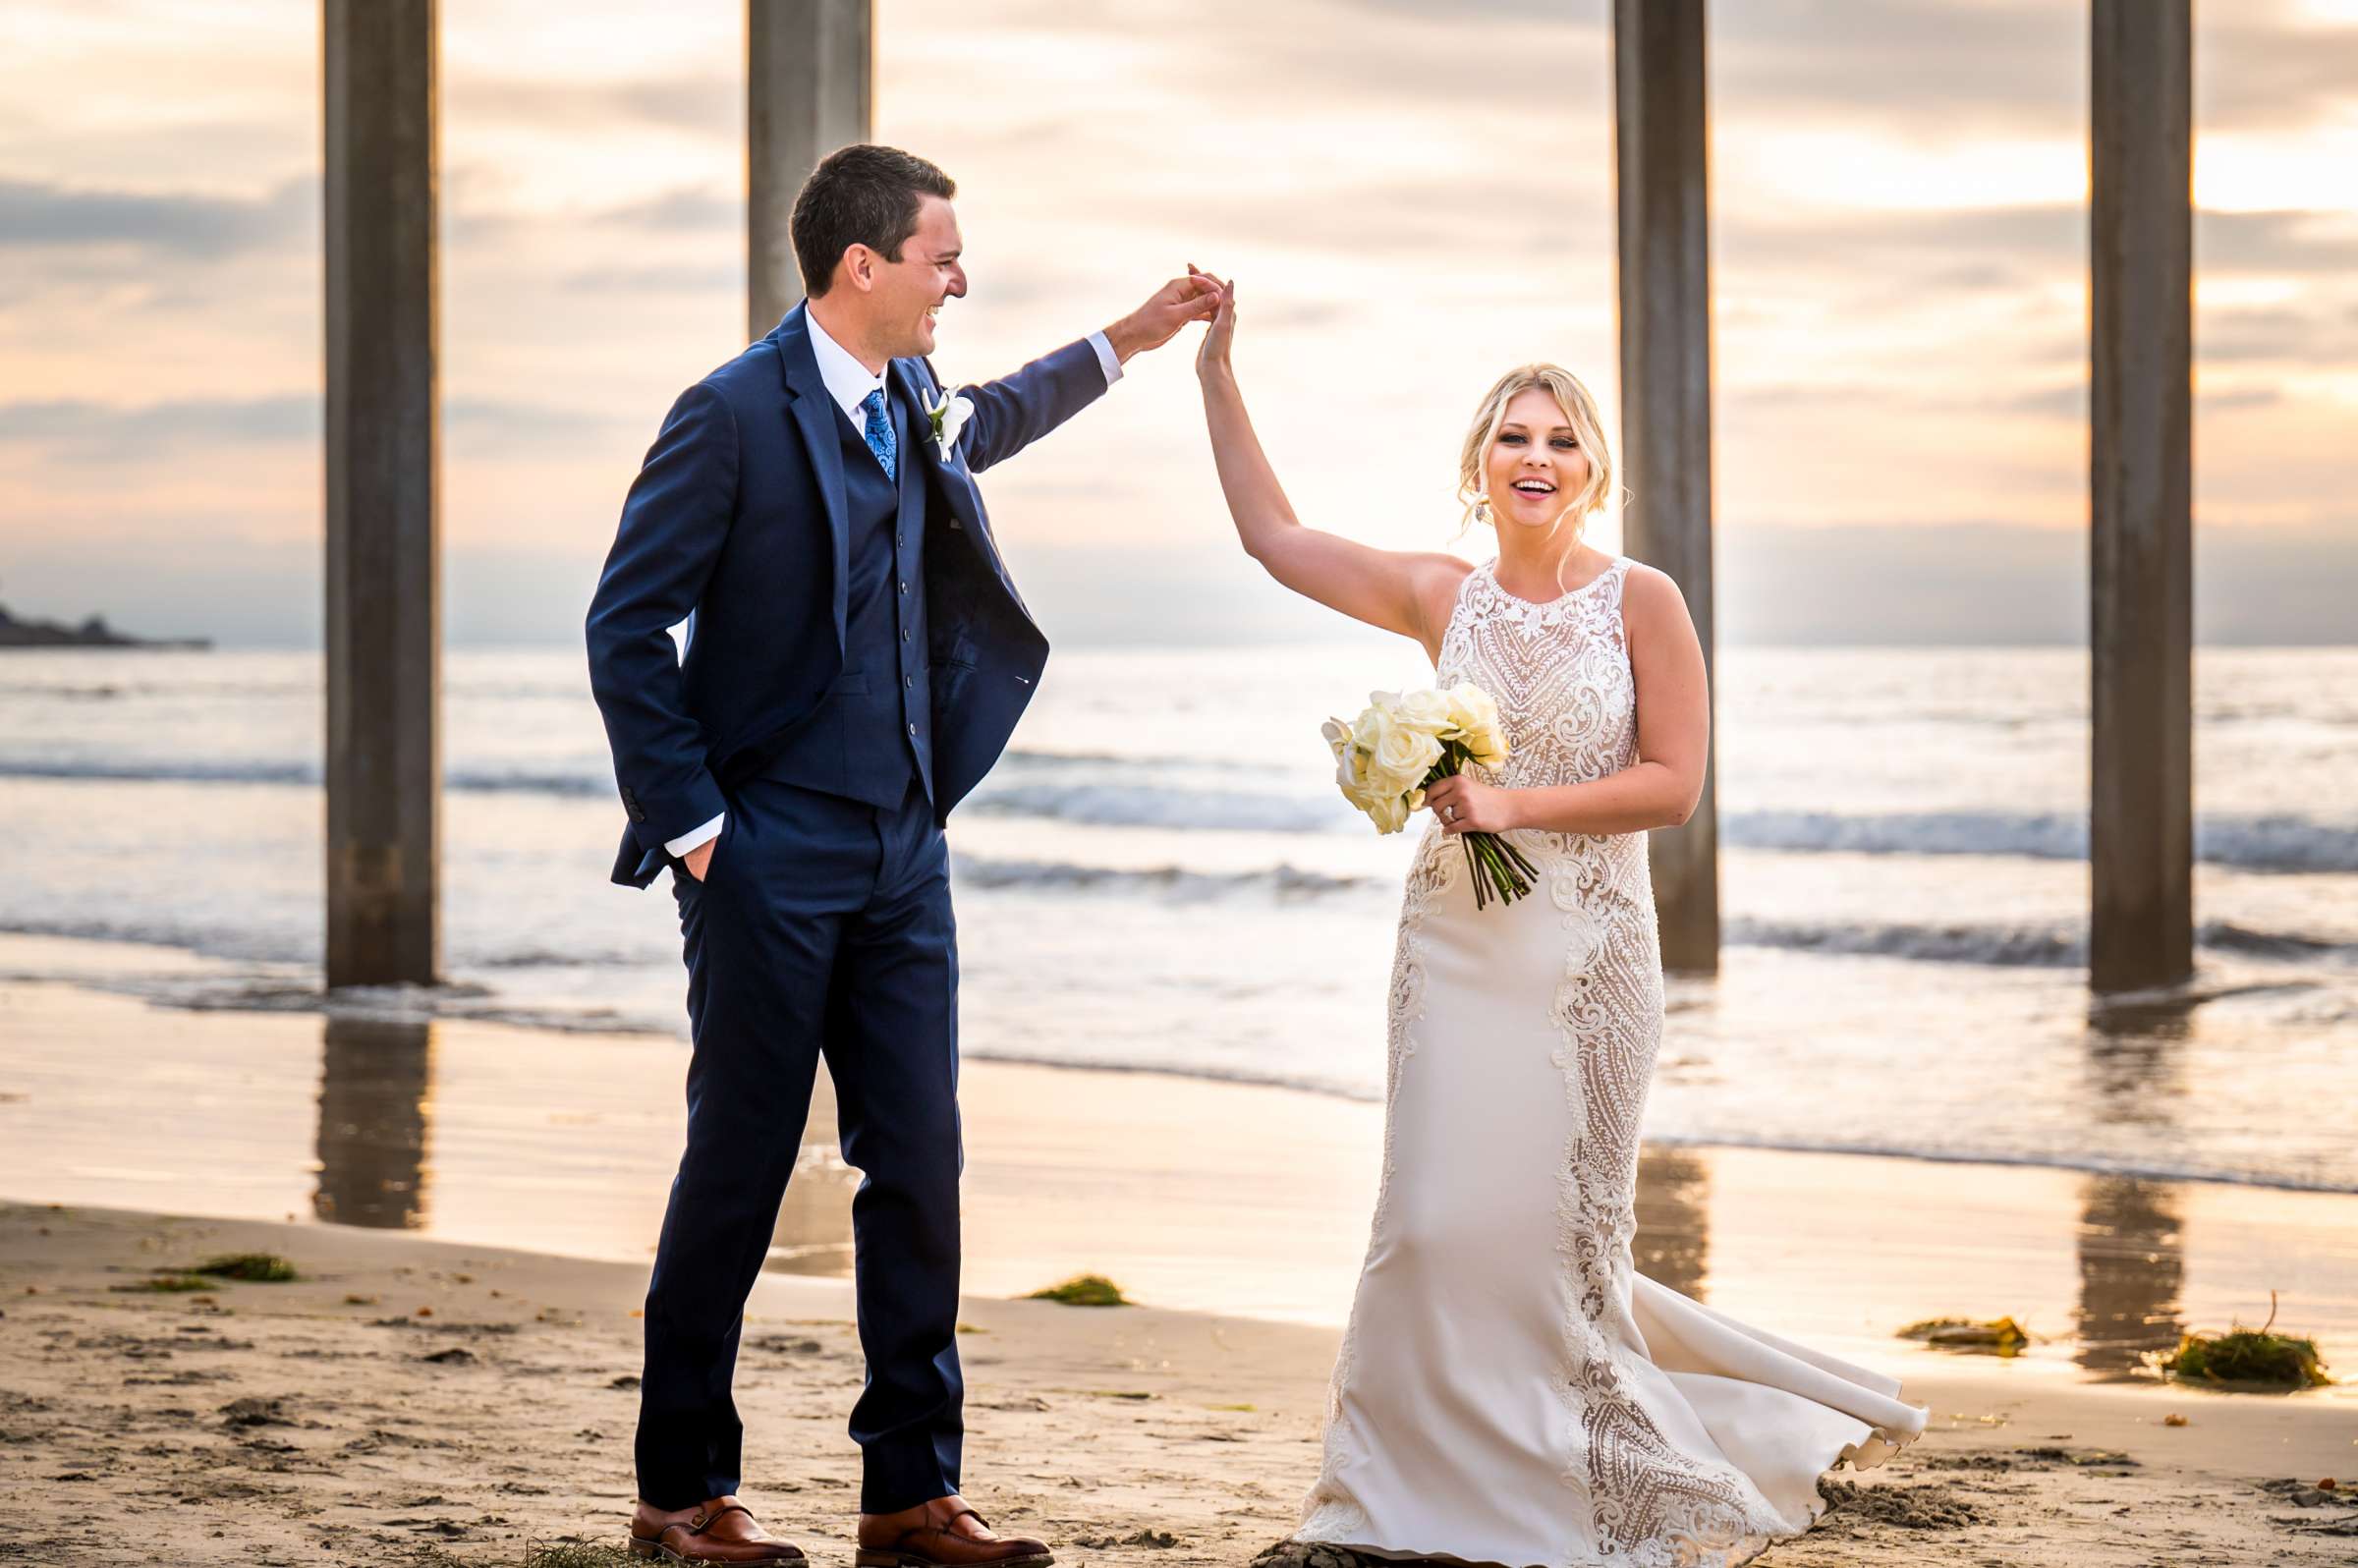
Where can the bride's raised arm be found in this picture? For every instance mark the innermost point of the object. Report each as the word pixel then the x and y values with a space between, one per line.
pixel 1405 591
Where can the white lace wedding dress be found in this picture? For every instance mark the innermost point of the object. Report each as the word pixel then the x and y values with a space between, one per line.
pixel 1511 1390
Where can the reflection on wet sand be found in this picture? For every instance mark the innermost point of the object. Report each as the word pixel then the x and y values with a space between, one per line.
pixel 374 1080
pixel 2132 1267
pixel 569 1144
pixel 813 1234
pixel 376 1159
pixel 2130 1239
pixel 1672 1244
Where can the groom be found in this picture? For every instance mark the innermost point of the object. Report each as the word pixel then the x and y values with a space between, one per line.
pixel 856 658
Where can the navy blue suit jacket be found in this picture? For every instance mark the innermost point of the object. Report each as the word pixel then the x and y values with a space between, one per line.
pixel 737 517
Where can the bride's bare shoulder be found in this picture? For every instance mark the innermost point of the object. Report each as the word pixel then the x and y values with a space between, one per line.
pixel 1650 588
pixel 1654 612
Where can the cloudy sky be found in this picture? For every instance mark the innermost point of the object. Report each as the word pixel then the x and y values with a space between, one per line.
pixel 1413 196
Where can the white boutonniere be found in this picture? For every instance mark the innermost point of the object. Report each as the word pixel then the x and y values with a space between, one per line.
pixel 949 417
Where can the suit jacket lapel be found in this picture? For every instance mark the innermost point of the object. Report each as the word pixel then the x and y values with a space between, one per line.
pixel 910 381
pixel 909 377
pixel 815 415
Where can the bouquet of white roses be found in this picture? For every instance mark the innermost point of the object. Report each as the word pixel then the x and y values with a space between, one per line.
pixel 1406 741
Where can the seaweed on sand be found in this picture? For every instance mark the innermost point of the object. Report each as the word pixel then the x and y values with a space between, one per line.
pixel 2247 1358
pixel 575 1554
pixel 1997 1336
pixel 1085 1289
pixel 255 1269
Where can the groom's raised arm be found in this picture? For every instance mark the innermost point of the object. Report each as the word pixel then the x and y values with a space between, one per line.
pixel 1015 411
pixel 674 523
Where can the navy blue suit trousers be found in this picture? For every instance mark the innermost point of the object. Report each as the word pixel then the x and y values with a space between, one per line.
pixel 823 925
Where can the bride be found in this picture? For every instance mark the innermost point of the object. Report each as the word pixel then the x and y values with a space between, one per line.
pixel 1511 1390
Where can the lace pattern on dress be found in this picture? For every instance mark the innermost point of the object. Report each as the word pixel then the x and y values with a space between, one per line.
pixel 1568 697
pixel 1561 675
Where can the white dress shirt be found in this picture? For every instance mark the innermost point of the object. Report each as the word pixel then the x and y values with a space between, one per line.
pixel 849 383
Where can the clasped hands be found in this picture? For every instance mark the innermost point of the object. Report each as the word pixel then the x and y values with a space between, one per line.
pixel 1194 297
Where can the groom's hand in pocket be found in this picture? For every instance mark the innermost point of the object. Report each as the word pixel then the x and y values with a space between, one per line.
pixel 1194 297
pixel 696 858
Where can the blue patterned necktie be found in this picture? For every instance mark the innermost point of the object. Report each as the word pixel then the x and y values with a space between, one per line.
pixel 878 432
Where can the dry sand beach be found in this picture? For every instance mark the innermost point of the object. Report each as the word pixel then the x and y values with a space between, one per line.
pixel 424 1392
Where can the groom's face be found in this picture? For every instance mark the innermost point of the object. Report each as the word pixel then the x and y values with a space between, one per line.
pixel 909 292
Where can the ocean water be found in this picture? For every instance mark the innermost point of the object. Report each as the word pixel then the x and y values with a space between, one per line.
pixel 1160 877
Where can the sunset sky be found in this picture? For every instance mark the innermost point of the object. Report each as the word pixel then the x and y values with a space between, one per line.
pixel 1412 198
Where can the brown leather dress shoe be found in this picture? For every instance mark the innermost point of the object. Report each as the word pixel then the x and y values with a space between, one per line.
pixel 937 1545
pixel 715 1533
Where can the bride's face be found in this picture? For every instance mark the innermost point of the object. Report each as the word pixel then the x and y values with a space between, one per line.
pixel 1536 468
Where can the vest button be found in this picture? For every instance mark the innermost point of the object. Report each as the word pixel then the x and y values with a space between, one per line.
pixel 913 732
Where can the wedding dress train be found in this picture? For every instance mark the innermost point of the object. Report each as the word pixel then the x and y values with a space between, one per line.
pixel 1511 1390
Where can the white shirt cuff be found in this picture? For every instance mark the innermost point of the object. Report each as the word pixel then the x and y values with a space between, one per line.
pixel 1111 360
pixel 691 839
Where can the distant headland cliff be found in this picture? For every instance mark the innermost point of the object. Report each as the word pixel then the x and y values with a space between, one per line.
pixel 93 633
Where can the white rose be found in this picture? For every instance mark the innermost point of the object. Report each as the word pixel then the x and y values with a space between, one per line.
pixel 1382 758
pixel 1368 729
pixel 1405 753
pixel 1390 812
pixel 1473 715
pixel 1471 707
pixel 1427 710
pixel 1351 772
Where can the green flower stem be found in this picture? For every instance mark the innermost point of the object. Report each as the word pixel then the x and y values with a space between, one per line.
pixel 1507 881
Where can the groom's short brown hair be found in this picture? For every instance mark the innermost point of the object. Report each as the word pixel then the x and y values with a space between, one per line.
pixel 860 194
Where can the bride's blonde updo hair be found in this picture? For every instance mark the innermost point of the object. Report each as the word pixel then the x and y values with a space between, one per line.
pixel 1579 411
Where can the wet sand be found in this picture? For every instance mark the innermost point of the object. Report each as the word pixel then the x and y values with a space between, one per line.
pixel 1234 1200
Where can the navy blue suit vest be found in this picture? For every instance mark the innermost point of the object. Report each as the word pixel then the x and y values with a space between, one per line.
pixel 872 731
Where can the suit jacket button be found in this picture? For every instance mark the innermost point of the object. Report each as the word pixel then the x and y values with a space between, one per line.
pixel 913 732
